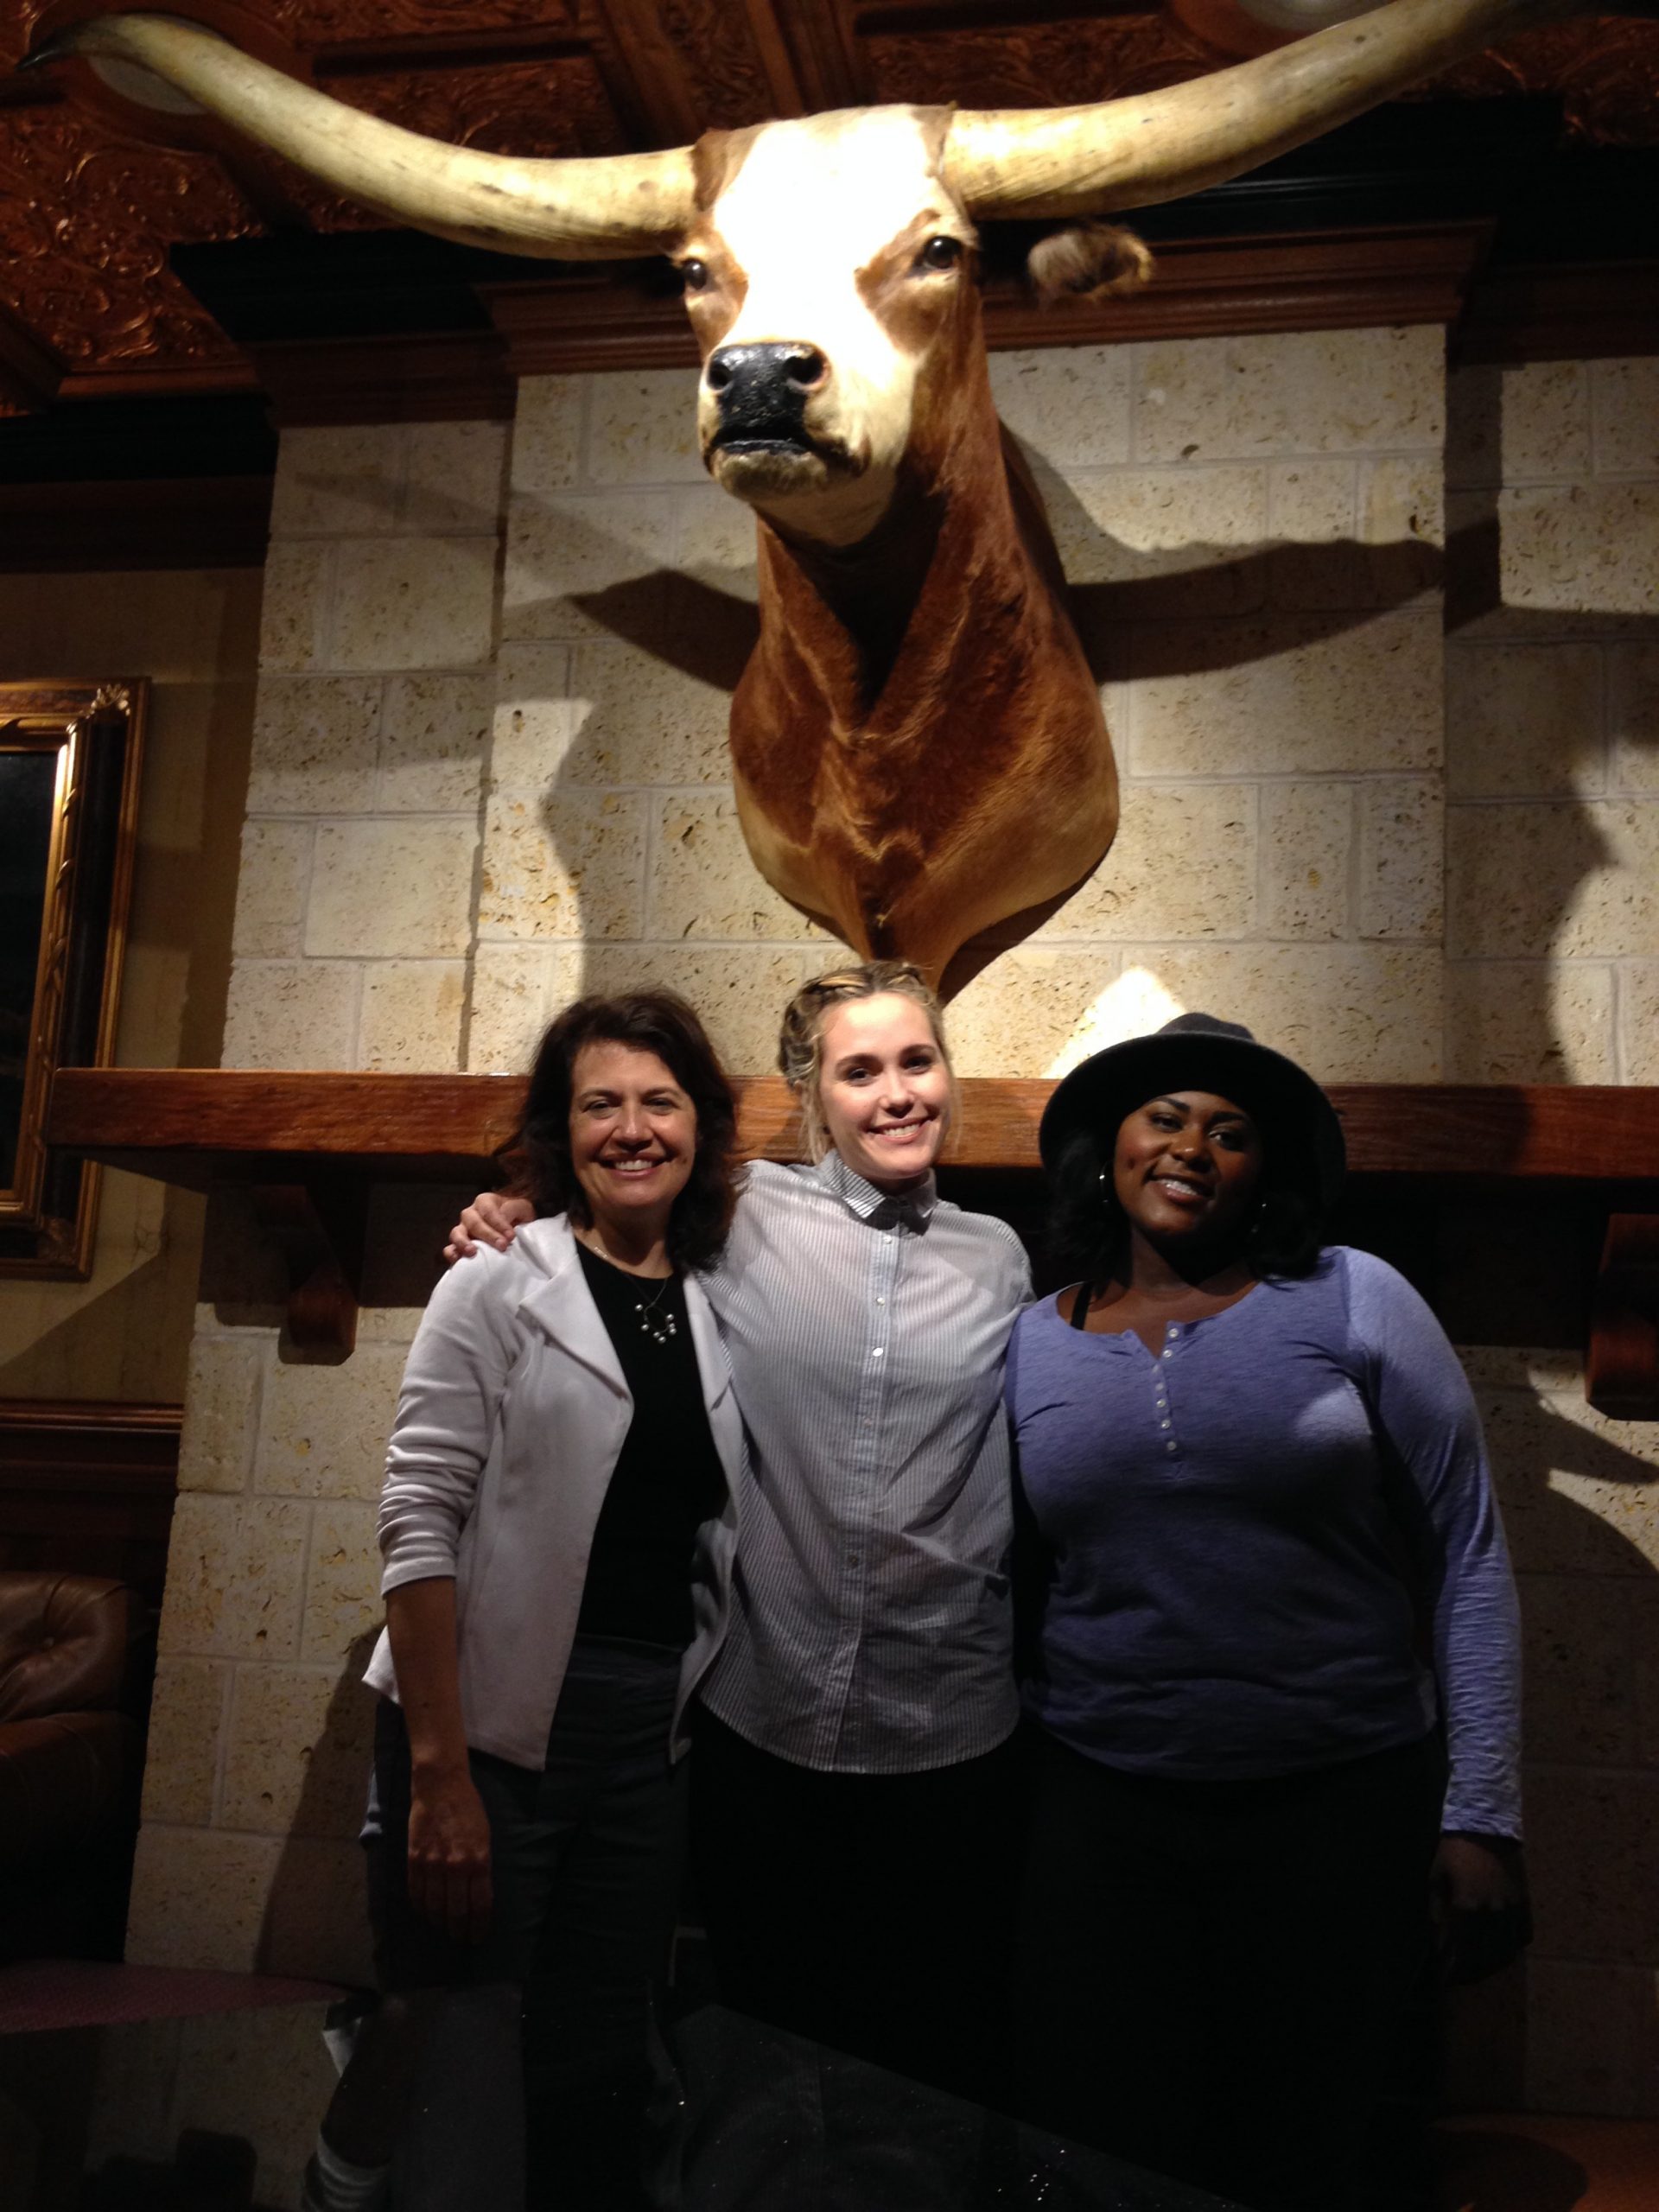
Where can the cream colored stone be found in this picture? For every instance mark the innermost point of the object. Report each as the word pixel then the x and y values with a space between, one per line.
pixel 299 1749
pixel 1589 2033
pixel 572 867
pixel 340 481
pixel 1530 1368
pixel 703 883
pixel 1307 848
pixel 715 540
pixel 1638 1021
pixel 565 550
pixel 388 888
pixel 534 719
pixel 323 1430
pixel 1401 858
pixel 1595 1903
pixel 1633 717
pixel 293 628
pixel 411 1015
pixel 315 742
pixel 270 887
pixel 1070 402
pixel 234 1567
pixel 1580 549
pixel 1518 425
pixel 414 602
pixel 1570 882
pixel 1349 1013
pixel 1528 1021
pixel 186 1727
pixel 547 433
pixel 456 476
pixel 1347 534
pixel 1280 696
pixel 638 721
pixel 221 1413
pixel 291 1013
pixel 198 1898
pixel 262 2076
pixel 316 1922
pixel 739 991
pixel 1183 541
pixel 343 1606
pixel 1025 1013
pixel 1626 406
pixel 1522 721
pixel 435 740
pixel 642 428
pixel 1313 392
pixel 515 989
pixel 1183 864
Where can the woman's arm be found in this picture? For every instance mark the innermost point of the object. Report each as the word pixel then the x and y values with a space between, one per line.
pixel 1422 1399
pixel 449 1829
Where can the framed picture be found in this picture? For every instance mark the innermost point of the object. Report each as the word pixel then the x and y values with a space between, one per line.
pixel 71 755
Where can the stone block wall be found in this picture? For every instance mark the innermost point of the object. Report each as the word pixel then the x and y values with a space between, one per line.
pixel 489 771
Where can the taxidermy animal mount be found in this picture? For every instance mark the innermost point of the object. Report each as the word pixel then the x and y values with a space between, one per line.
pixel 917 741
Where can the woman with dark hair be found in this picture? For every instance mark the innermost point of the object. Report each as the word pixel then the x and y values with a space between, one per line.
pixel 558 1529
pixel 1274 1688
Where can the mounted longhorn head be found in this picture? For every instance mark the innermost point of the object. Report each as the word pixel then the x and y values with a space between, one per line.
pixel 918 742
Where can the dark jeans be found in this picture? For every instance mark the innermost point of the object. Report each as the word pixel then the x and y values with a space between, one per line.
pixel 582 1868
pixel 870 1912
pixel 1210 1975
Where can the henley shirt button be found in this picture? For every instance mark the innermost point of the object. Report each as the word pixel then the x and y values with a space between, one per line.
pixel 1169 1447
pixel 878 1352
pixel 880 1301
pixel 1163 1424
pixel 1173 1331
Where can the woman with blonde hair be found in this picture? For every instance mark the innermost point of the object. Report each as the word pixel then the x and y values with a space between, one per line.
pixel 854 1806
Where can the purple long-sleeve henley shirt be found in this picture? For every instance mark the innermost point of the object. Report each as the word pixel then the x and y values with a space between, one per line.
pixel 1254 1534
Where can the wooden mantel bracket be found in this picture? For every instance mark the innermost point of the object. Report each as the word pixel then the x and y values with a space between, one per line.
pixel 1621 1375
pixel 319 1226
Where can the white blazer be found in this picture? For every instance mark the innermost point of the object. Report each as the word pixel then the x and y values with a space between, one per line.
pixel 510 1424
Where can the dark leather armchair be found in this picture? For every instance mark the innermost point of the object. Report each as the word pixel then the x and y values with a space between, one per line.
pixel 71 1747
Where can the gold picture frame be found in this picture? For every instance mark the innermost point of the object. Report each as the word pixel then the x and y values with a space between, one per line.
pixel 71 759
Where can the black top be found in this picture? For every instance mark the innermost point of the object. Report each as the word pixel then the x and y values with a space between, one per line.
pixel 668 1479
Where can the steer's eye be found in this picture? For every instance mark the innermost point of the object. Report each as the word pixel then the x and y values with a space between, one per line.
pixel 695 275
pixel 940 253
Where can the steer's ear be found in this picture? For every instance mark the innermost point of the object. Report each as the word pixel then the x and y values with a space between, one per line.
pixel 1087 261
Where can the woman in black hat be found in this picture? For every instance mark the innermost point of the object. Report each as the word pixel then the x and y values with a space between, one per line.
pixel 1274 1677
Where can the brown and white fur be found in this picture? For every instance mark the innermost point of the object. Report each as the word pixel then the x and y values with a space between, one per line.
pixel 918 742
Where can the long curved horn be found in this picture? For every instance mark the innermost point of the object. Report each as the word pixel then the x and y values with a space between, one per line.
pixel 566 210
pixel 1162 145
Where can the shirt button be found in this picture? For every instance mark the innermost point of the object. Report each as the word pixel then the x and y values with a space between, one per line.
pixel 1163 1355
pixel 1163 1424
pixel 1173 1331
pixel 1169 1447
pixel 878 1352
pixel 880 1301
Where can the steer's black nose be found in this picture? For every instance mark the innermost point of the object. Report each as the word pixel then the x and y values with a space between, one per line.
pixel 762 388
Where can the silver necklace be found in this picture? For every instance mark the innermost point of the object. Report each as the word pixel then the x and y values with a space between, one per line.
pixel 657 1321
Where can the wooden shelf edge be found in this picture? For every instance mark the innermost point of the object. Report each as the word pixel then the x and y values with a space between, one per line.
pixel 201 1126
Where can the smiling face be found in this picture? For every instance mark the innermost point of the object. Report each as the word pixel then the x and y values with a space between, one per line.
pixel 829 285
pixel 885 1089
pixel 1187 1168
pixel 634 1134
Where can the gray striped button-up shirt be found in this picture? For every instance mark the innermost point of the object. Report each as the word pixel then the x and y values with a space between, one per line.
pixel 871 1629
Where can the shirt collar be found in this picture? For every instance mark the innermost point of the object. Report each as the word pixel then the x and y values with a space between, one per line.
pixel 882 1208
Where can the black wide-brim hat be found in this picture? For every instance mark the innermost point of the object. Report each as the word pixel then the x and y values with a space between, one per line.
pixel 1196 1051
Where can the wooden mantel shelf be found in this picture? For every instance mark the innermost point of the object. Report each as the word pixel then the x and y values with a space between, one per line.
pixel 310 1146
pixel 199 1127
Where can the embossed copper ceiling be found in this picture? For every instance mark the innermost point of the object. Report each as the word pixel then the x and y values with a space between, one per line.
pixel 92 194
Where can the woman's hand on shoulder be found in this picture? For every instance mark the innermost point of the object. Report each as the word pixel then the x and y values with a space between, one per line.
pixel 492 1218
pixel 449 1854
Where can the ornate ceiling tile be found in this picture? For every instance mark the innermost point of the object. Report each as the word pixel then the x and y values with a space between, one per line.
pixel 85 223
pixel 553 105
pixel 1606 73
pixel 1034 65
pixel 322 22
